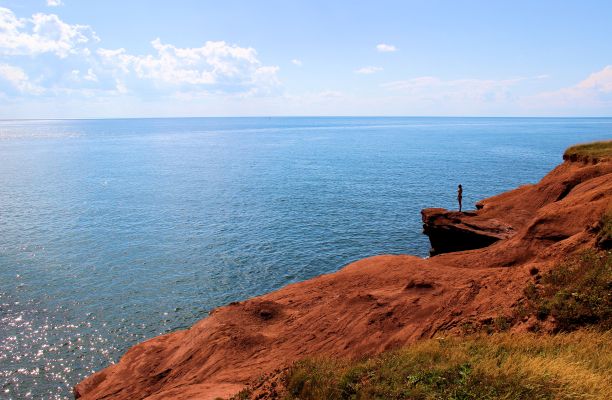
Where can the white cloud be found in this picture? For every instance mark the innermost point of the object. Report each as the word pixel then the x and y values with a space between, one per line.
pixel 79 64
pixel 42 33
pixel 592 93
pixel 229 67
pixel 89 76
pixel 386 48
pixel 54 3
pixel 297 62
pixel 600 81
pixel 18 79
pixel 368 70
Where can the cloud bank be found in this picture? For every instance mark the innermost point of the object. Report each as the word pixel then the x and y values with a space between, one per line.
pixel 216 66
pixel 42 33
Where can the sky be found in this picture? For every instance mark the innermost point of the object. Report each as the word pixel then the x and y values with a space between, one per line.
pixel 188 58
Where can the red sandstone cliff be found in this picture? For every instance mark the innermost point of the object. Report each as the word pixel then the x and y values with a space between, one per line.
pixel 374 304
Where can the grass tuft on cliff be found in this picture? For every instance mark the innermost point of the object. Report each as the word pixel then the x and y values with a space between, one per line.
pixel 576 293
pixel 604 236
pixel 589 152
pixel 575 365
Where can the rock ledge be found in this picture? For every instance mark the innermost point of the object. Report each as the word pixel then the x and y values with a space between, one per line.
pixel 451 231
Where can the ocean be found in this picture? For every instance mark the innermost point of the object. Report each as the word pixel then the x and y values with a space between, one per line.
pixel 115 231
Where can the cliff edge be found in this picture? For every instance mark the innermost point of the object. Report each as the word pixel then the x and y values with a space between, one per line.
pixel 451 231
pixel 378 303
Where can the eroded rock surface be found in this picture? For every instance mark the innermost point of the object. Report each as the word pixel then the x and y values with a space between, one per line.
pixel 374 304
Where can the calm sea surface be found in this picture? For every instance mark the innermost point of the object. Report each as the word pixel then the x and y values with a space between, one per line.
pixel 114 231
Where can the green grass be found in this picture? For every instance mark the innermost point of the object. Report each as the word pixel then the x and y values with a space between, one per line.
pixel 576 293
pixel 575 365
pixel 589 152
pixel 604 236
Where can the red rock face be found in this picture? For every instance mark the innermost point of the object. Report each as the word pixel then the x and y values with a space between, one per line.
pixel 451 231
pixel 374 304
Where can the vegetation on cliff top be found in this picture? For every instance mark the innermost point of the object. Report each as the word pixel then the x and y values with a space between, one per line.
pixel 576 293
pixel 568 365
pixel 575 365
pixel 589 152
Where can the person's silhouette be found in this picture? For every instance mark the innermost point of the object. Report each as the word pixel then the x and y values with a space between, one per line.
pixel 459 196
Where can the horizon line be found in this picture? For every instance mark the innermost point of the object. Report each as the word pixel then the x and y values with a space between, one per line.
pixel 306 116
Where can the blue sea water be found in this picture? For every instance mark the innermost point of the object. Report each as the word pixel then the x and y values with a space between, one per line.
pixel 114 231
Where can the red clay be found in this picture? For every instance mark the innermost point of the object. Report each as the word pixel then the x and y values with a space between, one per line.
pixel 371 305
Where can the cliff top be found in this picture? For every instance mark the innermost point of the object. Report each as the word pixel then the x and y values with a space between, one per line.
pixel 589 152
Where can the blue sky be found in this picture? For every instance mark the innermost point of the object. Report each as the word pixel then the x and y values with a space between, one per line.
pixel 88 59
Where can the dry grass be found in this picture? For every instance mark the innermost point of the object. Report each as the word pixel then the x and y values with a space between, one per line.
pixel 575 365
pixel 589 152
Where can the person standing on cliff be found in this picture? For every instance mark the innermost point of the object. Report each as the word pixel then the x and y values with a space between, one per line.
pixel 459 195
